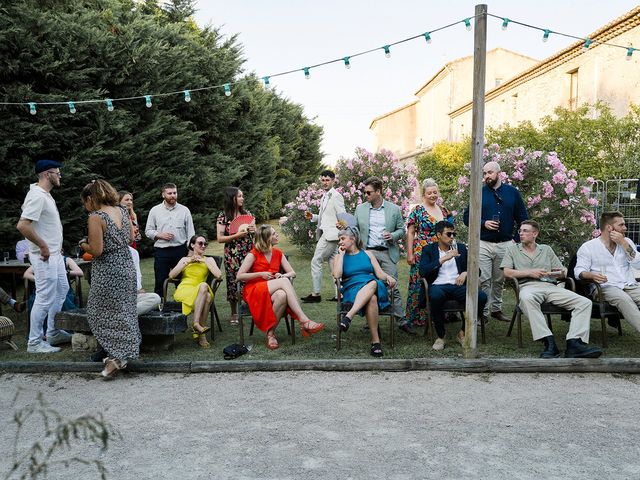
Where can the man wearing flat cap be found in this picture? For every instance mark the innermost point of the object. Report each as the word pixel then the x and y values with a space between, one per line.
pixel 40 224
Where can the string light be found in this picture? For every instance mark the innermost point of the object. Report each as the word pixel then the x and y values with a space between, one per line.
pixel 587 44
pixel 147 101
pixel 427 36
pixel 187 96
pixel 227 89
pixel 347 63
pixel 266 81
pixel 72 107
pixel 467 23
pixel 32 108
pixel 387 51
pixel 109 104
pixel 630 52
pixel 505 23
pixel 307 75
pixel 545 35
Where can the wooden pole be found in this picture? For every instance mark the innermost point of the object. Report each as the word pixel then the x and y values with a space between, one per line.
pixel 475 200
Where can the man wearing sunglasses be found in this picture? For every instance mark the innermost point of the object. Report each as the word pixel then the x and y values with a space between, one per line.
pixel 40 224
pixel 537 269
pixel 444 266
pixel 502 212
pixel 381 227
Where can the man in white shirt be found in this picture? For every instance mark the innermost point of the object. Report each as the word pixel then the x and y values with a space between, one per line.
pixel 609 260
pixel 331 205
pixel 170 226
pixel 40 224
pixel 145 301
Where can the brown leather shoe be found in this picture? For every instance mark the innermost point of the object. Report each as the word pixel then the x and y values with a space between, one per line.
pixel 500 316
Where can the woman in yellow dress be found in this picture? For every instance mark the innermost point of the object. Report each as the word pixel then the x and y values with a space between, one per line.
pixel 194 292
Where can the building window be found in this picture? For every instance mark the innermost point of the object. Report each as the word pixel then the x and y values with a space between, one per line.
pixel 573 89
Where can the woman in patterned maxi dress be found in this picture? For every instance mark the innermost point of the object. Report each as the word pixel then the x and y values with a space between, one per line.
pixel 421 232
pixel 111 307
pixel 236 246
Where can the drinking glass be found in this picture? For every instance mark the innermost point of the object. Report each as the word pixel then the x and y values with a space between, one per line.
pixel 76 251
pixel 6 257
pixel 496 218
pixel 161 305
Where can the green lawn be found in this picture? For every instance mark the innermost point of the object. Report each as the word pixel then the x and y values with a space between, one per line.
pixel 355 344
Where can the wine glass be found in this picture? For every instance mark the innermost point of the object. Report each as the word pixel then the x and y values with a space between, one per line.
pixel 6 257
pixel 76 252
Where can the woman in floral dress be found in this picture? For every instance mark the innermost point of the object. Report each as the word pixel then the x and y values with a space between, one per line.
pixel 421 232
pixel 236 246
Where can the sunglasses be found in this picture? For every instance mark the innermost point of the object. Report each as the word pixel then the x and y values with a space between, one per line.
pixel 202 244
pixel 368 192
pixel 497 197
pixel 450 234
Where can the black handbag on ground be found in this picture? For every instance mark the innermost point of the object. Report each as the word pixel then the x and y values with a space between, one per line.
pixel 234 351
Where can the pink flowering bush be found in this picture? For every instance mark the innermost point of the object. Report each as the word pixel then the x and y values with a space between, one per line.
pixel 398 179
pixel 555 197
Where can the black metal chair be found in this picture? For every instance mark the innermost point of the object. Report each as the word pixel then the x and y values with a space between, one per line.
pixel 450 306
pixel 547 309
pixel 213 283
pixel 343 308
pixel 600 309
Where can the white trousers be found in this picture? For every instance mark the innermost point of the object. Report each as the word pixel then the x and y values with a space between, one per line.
pixel 325 251
pixel 51 290
pixel 491 277
pixel 147 302
pixel 533 294
pixel 626 300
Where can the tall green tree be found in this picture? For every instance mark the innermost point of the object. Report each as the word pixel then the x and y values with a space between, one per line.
pixel 77 50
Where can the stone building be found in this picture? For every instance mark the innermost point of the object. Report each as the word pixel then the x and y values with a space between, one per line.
pixel 518 88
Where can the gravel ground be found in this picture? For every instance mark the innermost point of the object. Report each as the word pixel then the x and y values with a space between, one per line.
pixel 319 425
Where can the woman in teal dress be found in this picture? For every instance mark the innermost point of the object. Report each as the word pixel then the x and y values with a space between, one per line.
pixel 421 232
pixel 363 284
pixel 193 291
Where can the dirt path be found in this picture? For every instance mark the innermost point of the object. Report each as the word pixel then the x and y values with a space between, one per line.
pixel 349 425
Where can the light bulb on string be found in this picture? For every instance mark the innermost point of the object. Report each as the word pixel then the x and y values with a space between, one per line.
pixel 630 53
pixel 32 108
pixel 467 23
pixel 505 23
pixel 147 101
pixel 307 74
pixel 109 104
pixel 387 51
pixel 587 43
pixel 427 37
pixel 347 63
pixel 187 96
pixel 545 35
pixel 72 107
pixel 227 89
pixel 266 81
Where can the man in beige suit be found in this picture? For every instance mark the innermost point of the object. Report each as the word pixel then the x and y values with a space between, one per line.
pixel 331 205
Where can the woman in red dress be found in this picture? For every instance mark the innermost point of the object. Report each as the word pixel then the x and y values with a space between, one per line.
pixel 269 292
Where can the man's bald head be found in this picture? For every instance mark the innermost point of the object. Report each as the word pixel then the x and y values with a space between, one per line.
pixel 491 174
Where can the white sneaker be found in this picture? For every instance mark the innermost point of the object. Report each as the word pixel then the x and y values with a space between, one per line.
pixel 42 347
pixel 59 338
pixel 438 344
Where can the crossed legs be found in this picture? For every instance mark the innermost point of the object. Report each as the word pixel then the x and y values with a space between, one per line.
pixel 201 307
pixel 366 298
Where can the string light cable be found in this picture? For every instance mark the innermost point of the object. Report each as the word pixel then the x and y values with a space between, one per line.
pixel 227 87
pixel 546 32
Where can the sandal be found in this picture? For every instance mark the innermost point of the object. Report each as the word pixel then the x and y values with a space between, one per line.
pixel 200 332
pixel 111 367
pixel 202 341
pixel 233 320
pixel 345 323
pixel 376 350
pixel 309 327
pixel 272 341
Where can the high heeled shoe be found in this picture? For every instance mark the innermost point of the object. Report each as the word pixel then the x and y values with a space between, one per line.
pixel 272 341
pixel 111 367
pixel 310 327
pixel 202 341
pixel 200 332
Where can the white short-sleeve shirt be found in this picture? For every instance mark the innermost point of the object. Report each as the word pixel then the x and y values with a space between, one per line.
pixel 40 207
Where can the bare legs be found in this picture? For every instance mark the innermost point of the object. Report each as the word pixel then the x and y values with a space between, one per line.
pixel 366 298
pixel 200 311
pixel 285 285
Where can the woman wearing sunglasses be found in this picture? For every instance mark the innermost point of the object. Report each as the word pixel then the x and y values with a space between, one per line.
pixel 194 292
